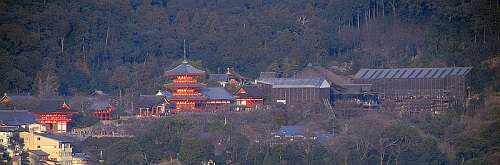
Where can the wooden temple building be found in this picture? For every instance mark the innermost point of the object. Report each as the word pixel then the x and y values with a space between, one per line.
pixel 102 110
pixel 55 114
pixel 186 88
pixel 231 78
pixel 16 101
pixel 151 105
pixel 250 96
pixel 188 95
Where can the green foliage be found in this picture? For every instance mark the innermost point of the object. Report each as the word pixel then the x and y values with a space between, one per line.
pixel 162 139
pixel 268 160
pixel 124 152
pixel 82 120
pixel 89 40
pixel 195 151
pixel 480 147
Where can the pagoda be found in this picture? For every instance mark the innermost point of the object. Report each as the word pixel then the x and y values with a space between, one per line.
pixel 55 114
pixel 186 88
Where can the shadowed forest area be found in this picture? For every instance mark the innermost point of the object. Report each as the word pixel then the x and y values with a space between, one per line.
pixel 72 48
pixel 56 48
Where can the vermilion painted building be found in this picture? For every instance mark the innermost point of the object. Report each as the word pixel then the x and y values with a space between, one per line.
pixel 102 110
pixel 186 88
pixel 55 114
pixel 250 96
pixel 151 105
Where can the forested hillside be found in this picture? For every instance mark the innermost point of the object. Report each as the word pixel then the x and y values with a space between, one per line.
pixel 53 47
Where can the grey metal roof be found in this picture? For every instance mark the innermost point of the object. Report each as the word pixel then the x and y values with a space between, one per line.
pixel 184 68
pixel 216 93
pixel 296 82
pixel 39 152
pixel 291 130
pixel 17 117
pixel 412 72
pixel 9 128
pixel 219 77
pixel 55 137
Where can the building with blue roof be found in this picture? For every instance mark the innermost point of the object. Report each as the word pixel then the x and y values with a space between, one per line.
pixel 421 89
pixel 217 96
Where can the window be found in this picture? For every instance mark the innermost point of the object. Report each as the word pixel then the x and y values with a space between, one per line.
pixel 38 138
pixel 37 146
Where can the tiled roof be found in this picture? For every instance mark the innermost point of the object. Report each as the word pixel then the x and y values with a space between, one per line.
pixel 234 74
pixel 216 93
pixel 16 101
pixel 17 117
pixel 99 105
pixel 149 100
pixel 16 96
pixel 164 93
pixel 251 91
pixel 291 130
pixel 296 82
pixel 53 105
pixel 411 72
pixel 185 85
pixel 218 77
pixel 184 68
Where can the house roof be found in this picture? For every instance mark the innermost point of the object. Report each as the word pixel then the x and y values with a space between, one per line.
pixel 183 69
pixel 296 82
pixel 218 77
pixel 150 100
pixel 98 93
pixel 55 137
pixel 17 117
pixel 39 152
pixel 54 105
pixel 411 73
pixel 291 130
pixel 163 93
pixel 15 96
pixel 316 71
pixel 216 93
pixel 250 91
pixel 100 105
pixel 8 128
pixel 185 85
pixel 15 101
pixel 233 74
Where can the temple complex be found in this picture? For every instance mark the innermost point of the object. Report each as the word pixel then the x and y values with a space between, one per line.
pixel 55 114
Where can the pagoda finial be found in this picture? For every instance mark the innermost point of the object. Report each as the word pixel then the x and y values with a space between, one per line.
pixel 184 51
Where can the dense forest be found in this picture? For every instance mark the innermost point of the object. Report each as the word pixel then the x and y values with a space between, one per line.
pixel 51 47
pixel 56 48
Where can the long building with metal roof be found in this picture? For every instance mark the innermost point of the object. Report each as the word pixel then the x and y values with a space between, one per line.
pixel 296 91
pixel 422 87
